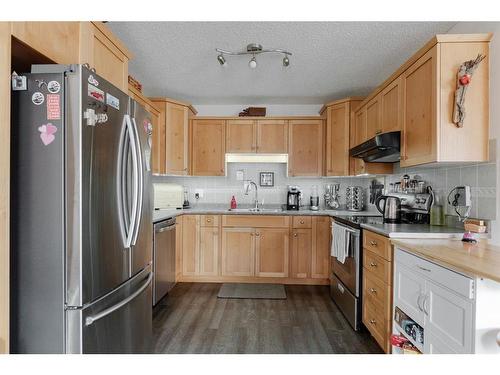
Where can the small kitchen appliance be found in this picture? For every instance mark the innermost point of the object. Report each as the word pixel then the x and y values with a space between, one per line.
pixel 415 207
pixel 391 208
pixel 293 199
pixel 167 195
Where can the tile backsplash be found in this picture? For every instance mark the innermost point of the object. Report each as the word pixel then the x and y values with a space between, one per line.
pixel 221 189
pixel 480 177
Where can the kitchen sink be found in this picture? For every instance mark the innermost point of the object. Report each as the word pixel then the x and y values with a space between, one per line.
pixel 255 210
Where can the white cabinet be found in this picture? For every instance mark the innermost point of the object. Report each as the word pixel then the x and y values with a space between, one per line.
pixel 448 316
pixel 439 300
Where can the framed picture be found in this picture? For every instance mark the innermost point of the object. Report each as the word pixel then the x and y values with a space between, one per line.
pixel 267 179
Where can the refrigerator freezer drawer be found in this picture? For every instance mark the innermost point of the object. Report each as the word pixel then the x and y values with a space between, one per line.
pixel 119 322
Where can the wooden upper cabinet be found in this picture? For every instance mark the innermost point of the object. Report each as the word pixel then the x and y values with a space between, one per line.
pixel 177 140
pixel 59 41
pixel 373 123
pixel 105 53
pixel 305 147
pixel 420 88
pixel 208 147
pixel 272 136
pixel 238 251
pixel 338 138
pixel 391 106
pixel 263 136
pixel 271 254
pixel 301 253
pixel 240 136
pixel 360 131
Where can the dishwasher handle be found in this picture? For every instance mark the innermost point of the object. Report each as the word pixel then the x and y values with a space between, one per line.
pixel 164 229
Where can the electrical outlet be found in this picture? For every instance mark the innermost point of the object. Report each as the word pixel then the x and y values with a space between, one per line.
pixel 463 196
pixel 198 193
pixel 240 175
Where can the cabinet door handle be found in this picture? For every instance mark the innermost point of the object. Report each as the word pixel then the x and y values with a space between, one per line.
pixel 209 220
pixel 498 339
pixel 257 234
pixel 373 321
pixel 302 222
pixel 295 235
pixel 424 269
pixel 424 304
pixel 418 302
pixel 372 264
pixel 373 243
pixel 373 290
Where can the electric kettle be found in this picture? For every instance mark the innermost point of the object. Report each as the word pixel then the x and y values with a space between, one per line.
pixel 391 209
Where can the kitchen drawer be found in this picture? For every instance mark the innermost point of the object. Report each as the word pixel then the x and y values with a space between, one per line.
pixel 377 325
pixel 256 221
pixel 209 220
pixel 378 244
pixel 377 294
pixel 452 280
pixel 302 222
pixel 378 266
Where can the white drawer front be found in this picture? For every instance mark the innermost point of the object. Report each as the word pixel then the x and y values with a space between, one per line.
pixel 452 280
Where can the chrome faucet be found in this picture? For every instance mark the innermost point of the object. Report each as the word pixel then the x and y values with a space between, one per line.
pixel 247 188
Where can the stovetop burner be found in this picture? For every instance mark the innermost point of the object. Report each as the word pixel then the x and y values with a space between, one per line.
pixel 356 221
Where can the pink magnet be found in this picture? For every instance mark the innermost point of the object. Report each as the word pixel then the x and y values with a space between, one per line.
pixel 47 133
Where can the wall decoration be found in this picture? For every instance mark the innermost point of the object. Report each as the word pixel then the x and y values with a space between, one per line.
pixel 267 179
pixel 464 76
pixel 47 132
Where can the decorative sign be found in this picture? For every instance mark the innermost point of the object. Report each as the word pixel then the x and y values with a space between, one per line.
pixel 267 179
pixel 53 107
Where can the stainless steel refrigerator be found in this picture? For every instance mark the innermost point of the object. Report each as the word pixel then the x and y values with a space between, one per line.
pixel 81 215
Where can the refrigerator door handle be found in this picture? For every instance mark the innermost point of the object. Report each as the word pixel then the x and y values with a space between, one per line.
pixel 128 233
pixel 140 189
pixel 94 318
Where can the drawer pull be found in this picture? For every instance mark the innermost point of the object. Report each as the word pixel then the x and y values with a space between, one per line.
pixel 498 339
pixel 301 221
pixel 373 290
pixel 295 234
pixel 424 304
pixel 424 269
pixel 373 321
pixel 373 243
pixel 209 220
pixel 257 234
pixel 372 264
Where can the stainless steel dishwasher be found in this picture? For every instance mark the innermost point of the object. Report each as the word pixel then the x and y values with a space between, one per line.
pixel 163 258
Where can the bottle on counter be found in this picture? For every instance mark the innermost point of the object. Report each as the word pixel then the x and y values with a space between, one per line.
pixel 437 212
pixel 314 200
pixel 233 203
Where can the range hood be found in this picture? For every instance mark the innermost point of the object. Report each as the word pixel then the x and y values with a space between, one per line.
pixel 256 158
pixel 383 148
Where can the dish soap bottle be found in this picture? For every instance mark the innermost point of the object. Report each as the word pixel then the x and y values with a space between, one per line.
pixel 233 203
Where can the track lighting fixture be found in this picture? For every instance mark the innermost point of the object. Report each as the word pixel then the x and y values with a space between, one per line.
pixel 252 49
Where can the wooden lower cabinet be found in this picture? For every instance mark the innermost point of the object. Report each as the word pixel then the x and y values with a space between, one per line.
pixel 209 251
pixel 300 267
pixel 377 288
pixel 271 255
pixel 238 252
pixel 255 248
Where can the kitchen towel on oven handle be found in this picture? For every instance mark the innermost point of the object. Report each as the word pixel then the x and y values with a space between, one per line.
pixel 340 242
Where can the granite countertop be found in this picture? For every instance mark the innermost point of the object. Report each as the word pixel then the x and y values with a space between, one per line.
pixel 481 259
pixel 414 230
pixel 219 209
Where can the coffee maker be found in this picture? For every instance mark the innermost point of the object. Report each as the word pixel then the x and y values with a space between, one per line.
pixel 293 198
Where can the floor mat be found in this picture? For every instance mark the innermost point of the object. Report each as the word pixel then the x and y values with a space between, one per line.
pixel 252 291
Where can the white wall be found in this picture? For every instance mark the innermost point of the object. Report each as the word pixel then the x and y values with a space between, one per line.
pixel 494 27
pixel 272 109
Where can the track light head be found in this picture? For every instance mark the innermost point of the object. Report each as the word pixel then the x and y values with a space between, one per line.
pixel 286 61
pixel 221 60
pixel 252 63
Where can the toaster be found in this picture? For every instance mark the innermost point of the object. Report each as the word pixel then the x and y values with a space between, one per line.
pixel 168 195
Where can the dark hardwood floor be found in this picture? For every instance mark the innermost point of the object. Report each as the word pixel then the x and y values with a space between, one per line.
pixel 191 319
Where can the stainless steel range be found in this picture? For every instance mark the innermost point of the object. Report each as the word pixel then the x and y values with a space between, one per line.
pixel 347 259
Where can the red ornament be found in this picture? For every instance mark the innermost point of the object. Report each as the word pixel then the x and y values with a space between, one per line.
pixel 465 79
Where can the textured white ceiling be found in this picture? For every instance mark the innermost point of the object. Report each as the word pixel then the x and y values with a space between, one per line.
pixel 330 59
